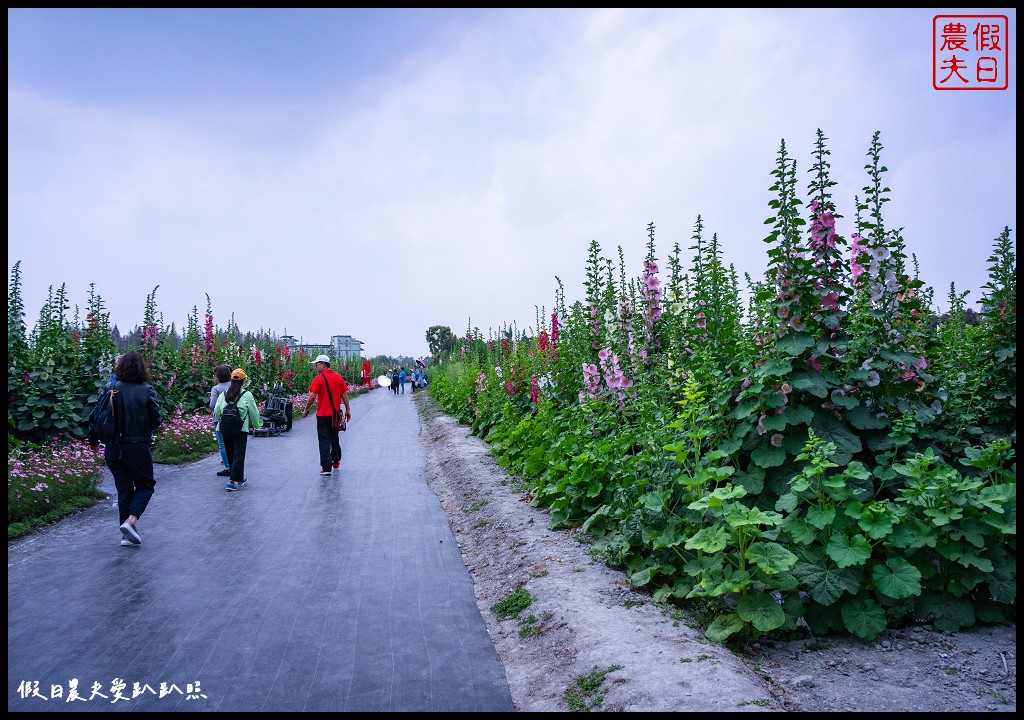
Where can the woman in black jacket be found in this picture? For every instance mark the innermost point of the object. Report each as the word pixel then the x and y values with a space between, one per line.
pixel 129 456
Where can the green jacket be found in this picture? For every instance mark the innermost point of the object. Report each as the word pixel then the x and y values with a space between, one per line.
pixel 246 406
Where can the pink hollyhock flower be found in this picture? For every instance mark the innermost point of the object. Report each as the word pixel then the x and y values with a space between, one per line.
pixel 830 300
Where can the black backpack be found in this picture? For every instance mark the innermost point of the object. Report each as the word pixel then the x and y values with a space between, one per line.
pixel 231 419
pixel 106 416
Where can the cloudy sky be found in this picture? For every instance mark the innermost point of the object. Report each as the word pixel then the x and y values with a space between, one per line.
pixel 376 172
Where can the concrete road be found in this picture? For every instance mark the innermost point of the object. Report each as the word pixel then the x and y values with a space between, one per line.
pixel 296 593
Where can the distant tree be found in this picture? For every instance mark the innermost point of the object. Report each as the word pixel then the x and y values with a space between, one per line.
pixel 440 340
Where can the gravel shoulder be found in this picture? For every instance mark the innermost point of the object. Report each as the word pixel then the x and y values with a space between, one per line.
pixel 586 624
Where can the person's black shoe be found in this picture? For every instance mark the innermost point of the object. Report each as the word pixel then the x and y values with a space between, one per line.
pixel 223 473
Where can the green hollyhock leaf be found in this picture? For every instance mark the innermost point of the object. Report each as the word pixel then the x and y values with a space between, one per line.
pixel 864 618
pixel 762 611
pixel 723 626
pixel 771 558
pixel 948 613
pixel 812 382
pixel 709 539
pixel 830 429
pixel 766 456
pixel 798 415
pixel 820 517
pixel 795 343
pixel 801 532
pixel 863 419
pixel 897 579
pixel 823 580
pixel 845 401
pixel 967 557
pixel 752 480
pixel 847 551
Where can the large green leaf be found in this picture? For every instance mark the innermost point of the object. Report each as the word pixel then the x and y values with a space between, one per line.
pixel 820 517
pixel 863 419
pixel 945 611
pixel 897 578
pixel 864 618
pixel 848 551
pixel 766 456
pixel 795 343
pixel 823 580
pixel 831 429
pixel 812 382
pixel 770 557
pixel 723 626
pixel 762 611
pixel 709 539
pixel 752 480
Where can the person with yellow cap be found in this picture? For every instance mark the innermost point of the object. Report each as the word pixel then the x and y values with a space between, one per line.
pixel 235 442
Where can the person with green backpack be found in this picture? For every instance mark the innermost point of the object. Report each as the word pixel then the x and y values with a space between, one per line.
pixel 236 413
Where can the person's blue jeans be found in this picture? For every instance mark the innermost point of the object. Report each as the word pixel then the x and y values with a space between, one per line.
pixel 223 452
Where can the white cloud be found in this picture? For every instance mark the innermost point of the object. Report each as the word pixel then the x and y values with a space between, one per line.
pixel 461 184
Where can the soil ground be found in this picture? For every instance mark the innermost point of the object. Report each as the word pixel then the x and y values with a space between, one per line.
pixel 588 641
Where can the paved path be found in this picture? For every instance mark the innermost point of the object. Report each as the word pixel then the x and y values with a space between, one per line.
pixel 297 593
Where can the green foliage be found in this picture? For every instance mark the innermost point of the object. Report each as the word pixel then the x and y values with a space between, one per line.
pixel 440 341
pixel 512 605
pixel 583 696
pixel 835 454
pixel 55 372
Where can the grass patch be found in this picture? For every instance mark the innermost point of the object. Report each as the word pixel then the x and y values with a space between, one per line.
pixel 62 510
pixel 512 605
pixel 584 695
pixel 761 703
pixel 530 626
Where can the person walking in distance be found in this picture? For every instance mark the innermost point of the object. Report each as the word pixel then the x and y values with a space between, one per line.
pixel 328 390
pixel 129 456
pixel 236 439
pixel 401 380
pixel 222 376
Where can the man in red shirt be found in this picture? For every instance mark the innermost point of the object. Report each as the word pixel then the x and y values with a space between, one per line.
pixel 327 436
